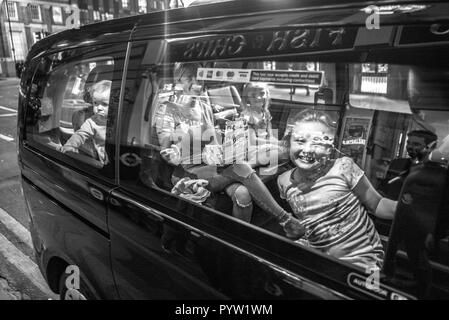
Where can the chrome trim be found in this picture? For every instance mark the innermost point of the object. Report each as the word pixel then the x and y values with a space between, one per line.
pixel 155 214
pixel 306 284
pixel 310 286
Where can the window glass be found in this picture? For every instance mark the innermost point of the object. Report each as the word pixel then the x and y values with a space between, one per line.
pixel 280 138
pixel 97 15
pixel 12 10
pixel 71 101
pixel 35 11
pixel 19 45
pixel 57 14
pixel 390 101
pixel 142 6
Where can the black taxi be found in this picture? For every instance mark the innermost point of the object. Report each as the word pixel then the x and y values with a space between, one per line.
pixel 244 150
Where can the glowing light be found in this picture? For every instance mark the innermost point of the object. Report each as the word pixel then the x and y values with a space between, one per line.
pixel 392 9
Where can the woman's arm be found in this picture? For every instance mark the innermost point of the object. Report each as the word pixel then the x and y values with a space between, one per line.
pixel 381 207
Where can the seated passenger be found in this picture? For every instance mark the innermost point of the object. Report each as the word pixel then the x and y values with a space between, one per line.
pixel 255 109
pixel 330 196
pixel 191 115
pixel 419 144
pixel 94 127
pixel 188 118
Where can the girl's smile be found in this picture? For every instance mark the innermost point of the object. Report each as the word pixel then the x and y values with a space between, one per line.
pixel 310 142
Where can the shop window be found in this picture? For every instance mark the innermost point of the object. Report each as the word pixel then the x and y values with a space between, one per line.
pixel 57 14
pixel 35 12
pixel 84 17
pixel 142 6
pixel 96 15
pixel 12 11
pixel 82 4
pixel 39 35
pixel 374 78
pixel 19 45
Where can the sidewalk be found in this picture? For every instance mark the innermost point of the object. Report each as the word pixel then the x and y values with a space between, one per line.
pixel 9 79
pixel 7 293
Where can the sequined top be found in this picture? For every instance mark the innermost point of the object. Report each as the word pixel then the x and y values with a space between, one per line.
pixel 336 220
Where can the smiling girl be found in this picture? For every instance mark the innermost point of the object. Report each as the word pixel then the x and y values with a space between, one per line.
pixel 331 197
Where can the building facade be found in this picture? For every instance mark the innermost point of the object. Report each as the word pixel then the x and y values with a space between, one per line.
pixel 24 22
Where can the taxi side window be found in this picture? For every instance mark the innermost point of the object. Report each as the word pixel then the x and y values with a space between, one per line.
pixel 324 191
pixel 68 106
pixel 186 140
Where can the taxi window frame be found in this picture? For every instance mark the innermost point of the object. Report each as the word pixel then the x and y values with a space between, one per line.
pixel 94 169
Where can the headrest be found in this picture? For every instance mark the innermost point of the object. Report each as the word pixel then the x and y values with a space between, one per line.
pixel 225 96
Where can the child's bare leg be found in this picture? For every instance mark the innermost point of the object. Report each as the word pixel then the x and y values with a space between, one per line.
pixel 242 203
pixel 245 174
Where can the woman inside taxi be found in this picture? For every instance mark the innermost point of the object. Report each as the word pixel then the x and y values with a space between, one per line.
pixel 331 197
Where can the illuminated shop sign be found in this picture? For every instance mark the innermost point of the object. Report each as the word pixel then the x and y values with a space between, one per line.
pixel 300 78
pixel 263 43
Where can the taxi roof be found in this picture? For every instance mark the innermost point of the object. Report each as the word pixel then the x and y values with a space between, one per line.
pixel 244 15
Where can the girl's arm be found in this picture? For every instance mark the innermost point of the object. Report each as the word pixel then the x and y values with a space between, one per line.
pixel 381 207
pixel 85 132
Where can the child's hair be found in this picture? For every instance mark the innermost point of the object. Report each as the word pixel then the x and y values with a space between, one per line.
pixel 256 86
pixel 101 90
pixel 308 115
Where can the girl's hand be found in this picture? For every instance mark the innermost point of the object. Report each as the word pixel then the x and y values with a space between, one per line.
pixel 293 228
pixel 172 155
pixel 64 149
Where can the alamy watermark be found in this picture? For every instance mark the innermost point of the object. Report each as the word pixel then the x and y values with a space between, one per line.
pixel 373 19
pixel 73 20
pixel 373 280
pixel 72 283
